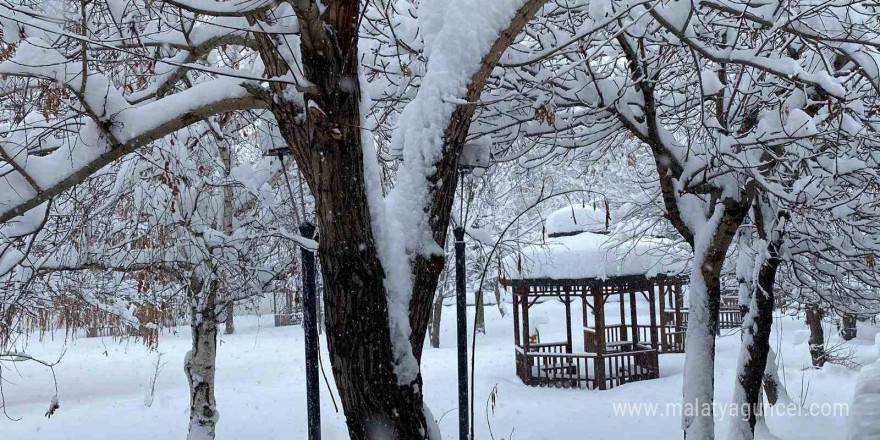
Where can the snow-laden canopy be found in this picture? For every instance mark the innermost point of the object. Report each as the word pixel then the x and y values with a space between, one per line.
pixel 577 218
pixel 595 256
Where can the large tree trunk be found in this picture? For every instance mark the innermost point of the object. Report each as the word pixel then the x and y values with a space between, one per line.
pixel 359 341
pixel 755 348
pixel 817 335
pixel 357 322
pixel 201 360
pixel 699 386
pixel 330 155
pixel 710 248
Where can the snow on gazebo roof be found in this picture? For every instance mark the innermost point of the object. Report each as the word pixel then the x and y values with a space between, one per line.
pixel 577 218
pixel 596 256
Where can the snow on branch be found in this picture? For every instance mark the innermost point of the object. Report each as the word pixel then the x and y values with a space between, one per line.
pixel 116 127
pixel 234 8
pixel 782 66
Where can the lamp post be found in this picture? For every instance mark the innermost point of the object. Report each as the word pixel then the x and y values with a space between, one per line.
pixel 474 158
pixel 310 308
pixel 310 329
pixel 461 325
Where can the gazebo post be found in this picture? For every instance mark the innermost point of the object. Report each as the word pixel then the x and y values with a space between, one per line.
pixel 522 369
pixel 662 288
pixel 585 319
pixel 599 318
pixel 527 339
pixel 516 301
pixel 677 300
pixel 652 310
pixel 634 314
pixel 567 290
pixel 623 333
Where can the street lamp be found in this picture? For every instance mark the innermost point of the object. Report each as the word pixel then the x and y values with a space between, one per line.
pixel 310 307
pixel 474 159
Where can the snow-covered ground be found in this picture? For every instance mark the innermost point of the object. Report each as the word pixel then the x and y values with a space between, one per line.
pixel 260 388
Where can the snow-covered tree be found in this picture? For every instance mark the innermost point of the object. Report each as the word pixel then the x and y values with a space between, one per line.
pixel 128 74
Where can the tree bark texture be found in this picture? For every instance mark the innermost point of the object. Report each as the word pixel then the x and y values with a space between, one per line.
pixel 848 329
pixel 330 155
pixel 817 334
pixel 756 345
pixel 200 361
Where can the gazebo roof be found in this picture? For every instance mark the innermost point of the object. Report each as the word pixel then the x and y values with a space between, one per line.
pixel 596 256
pixel 577 218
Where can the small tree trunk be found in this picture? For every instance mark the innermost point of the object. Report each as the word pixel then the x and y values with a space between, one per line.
pixel 848 322
pixel 200 361
pixel 319 304
pixel 480 314
pixel 498 300
pixel 229 325
pixel 710 249
pixel 436 312
pixel 817 335
pixel 226 156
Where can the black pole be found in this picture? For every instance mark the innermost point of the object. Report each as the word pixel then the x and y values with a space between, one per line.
pixel 461 312
pixel 310 329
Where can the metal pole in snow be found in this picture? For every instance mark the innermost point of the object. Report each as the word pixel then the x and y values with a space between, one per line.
pixel 310 329
pixel 461 315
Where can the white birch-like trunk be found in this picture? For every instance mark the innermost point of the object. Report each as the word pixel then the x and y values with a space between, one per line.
pixel 226 156
pixel 201 360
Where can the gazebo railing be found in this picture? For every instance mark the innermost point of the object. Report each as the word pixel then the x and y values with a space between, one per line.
pixel 549 347
pixel 674 340
pixel 728 318
pixel 586 370
pixel 670 318
pixel 614 333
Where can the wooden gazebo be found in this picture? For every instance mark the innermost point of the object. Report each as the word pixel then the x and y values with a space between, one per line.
pixel 620 343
